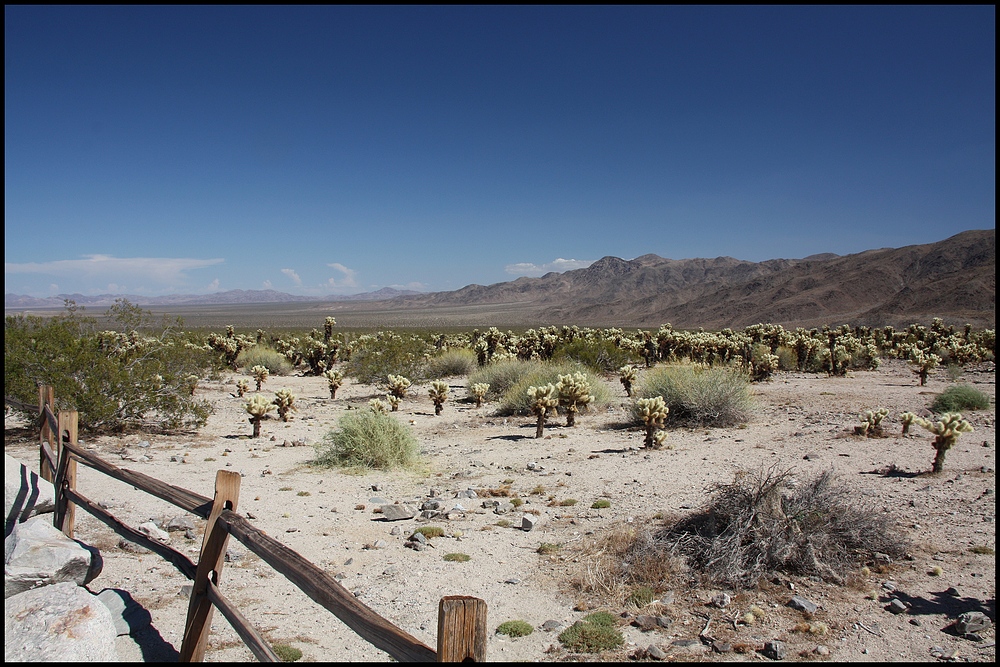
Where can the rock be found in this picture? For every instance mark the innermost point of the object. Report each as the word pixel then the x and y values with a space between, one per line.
pixel 645 622
pixel 468 493
pixel 25 493
pixel 896 606
pixel 131 547
pixel 667 598
pixel 512 580
pixel 821 650
pixel 775 650
pixel 952 592
pixel 722 647
pixel 38 554
pixel 128 615
pixel 722 600
pixel 233 555
pixel 392 569
pixel 59 623
pixel 377 500
pixel 664 621
pixel 551 625
pixel 431 505
pixel 416 546
pixel 529 521
pixel 418 537
pixel 395 531
pixel 655 652
pixel 398 512
pixel 429 514
pixel 972 622
pixel 802 604
pixel 503 508
pixel 150 530
pixel 434 493
pixel 179 523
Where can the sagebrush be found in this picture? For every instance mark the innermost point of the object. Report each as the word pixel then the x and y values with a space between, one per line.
pixel 368 439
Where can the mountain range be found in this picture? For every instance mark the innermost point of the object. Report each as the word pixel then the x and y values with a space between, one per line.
pixel 954 279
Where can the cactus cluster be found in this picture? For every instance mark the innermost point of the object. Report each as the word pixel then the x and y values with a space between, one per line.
pixel 242 387
pixel 906 419
pixel 543 399
pixel 439 394
pixel 257 407
pixel 284 401
pixel 653 412
pixel 377 406
pixel 478 391
pixel 627 375
pixel 871 423
pixel 946 432
pixel 398 385
pixel 259 374
pixel 923 362
pixel 574 393
pixel 334 379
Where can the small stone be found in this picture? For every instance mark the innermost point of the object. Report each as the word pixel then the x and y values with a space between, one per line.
pixel 821 650
pixel 398 512
pixel 376 500
pixel 722 647
pixel 512 580
pixel 896 606
pixel 952 592
pixel 528 521
pixel 972 622
pixel 802 604
pixel 722 600
pixel 655 652
pixel 392 569
pixel 667 598
pixel 395 531
pixel 551 625
pixel 418 537
pixel 645 623
pixel 775 650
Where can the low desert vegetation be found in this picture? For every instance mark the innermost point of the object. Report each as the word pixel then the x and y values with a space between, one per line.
pixel 960 397
pixel 515 628
pixel 515 400
pixel 450 363
pixel 368 439
pixel 595 633
pixel 262 355
pixel 946 432
pixel 695 395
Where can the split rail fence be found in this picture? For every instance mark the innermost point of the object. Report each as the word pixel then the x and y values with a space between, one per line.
pixel 461 619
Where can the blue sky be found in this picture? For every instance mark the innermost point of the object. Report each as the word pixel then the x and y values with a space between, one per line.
pixel 337 150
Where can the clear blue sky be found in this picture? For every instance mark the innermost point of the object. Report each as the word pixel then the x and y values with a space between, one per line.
pixel 337 150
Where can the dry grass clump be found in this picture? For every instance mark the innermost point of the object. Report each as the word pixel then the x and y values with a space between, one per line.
pixel 718 396
pixel 751 528
pixel 457 361
pixel 261 355
pixel 368 439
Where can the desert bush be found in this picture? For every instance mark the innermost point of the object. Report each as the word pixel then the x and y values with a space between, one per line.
pixel 430 532
pixel 368 439
pixel 457 558
pixel 597 354
pixel 373 358
pixel 118 379
pixel 261 355
pixel 515 629
pixel 515 401
pixel 287 653
pixel 502 375
pixel 695 395
pixel 758 525
pixel 788 359
pixel 960 397
pixel 460 361
pixel 595 633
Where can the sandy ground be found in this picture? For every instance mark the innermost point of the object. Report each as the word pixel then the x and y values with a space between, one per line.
pixel 803 422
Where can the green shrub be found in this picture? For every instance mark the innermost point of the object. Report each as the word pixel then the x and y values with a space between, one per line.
pixel 501 376
pixel 595 633
pixel 515 400
pixel 375 358
pixel 641 596
pixel 718 396
pixel 459 361
pixel 960 397
pixel 600 504
pixel 457 557
pixel 261 355
pixel 599 355
pixel 287 653
pixel 548 548
pixel 368 439
pixel 430 531
pixel 515 629
pixel 117 379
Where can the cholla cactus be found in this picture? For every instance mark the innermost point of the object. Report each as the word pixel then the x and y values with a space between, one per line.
pixel 377 406
pixel 653 412
pixel 478 391
pixel 871 423
pixel 947 431
pixel 334 378
pixel 258 406
pixel 393 402
pixel 543 399
pixel 439 394
pixel 574 391
pixel 906 419
pixel 242 387
pixel 924 363
pixel 398 385
pixel 328 329
pixel 627 375
pixel 191 382
pixel 284 400
pixel 259 374
pixel 762 363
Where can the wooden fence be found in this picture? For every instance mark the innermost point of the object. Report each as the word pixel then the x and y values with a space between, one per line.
pixel 461 619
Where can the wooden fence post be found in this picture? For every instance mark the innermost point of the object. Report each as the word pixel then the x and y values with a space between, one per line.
pixel 461 629
pixel 46 396
pixel 213 552
pixel 65 511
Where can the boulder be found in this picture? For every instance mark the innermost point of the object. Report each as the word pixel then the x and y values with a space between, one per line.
pixel 37 554
pixel 59 623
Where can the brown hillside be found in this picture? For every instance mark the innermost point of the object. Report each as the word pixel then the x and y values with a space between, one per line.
pixel 954 279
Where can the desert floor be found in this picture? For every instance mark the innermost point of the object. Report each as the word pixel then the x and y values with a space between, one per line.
pixel 803 422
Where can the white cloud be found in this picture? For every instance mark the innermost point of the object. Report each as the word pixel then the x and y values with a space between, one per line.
pixel 294 276
pixel 558 265
pixel 54 288
pixel 347 281
pixel 267 284
pixel 214 285
pixel 162 271
pixel 415 286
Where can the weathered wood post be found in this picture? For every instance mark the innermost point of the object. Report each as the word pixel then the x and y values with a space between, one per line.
pixel 461 629
pixel 213 552
pixel 46 396
pixel 65 511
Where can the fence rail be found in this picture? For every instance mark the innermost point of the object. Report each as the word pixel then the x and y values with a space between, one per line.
pixel 461 619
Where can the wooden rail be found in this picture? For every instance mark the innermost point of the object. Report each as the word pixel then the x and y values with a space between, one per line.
pixel 461 619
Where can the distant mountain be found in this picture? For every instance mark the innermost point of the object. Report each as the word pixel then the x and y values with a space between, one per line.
pixel 953 279
pixel 238 296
